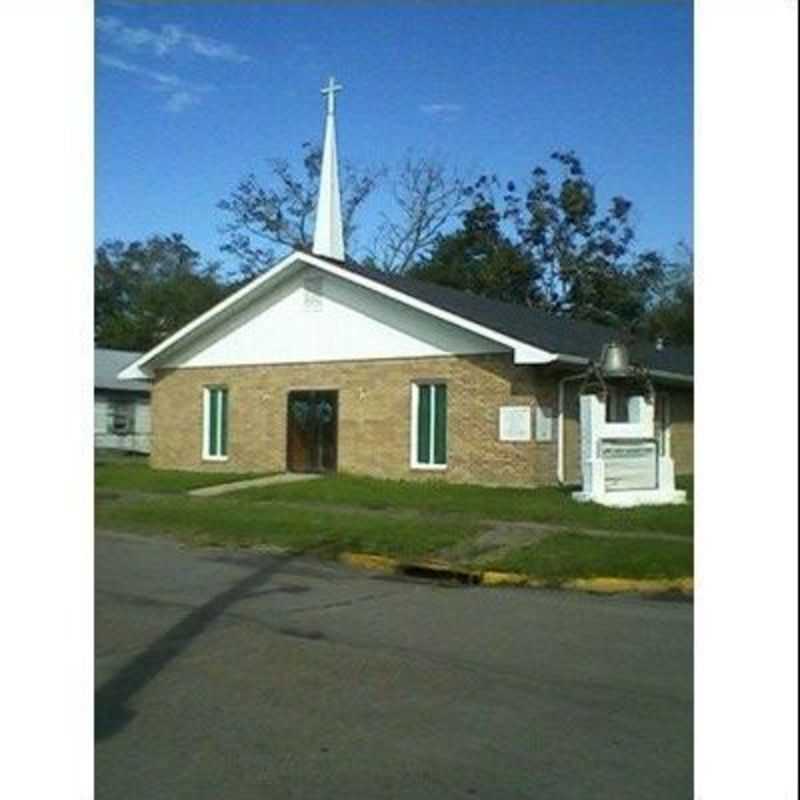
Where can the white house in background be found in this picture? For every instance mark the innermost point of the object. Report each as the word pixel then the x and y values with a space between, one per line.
pixel 121 408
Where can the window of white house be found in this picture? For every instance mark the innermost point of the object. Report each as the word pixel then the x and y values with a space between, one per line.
pixel 215 422
pixel 429 425
pixel 120 418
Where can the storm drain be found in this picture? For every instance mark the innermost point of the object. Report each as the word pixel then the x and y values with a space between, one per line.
pixel 439 573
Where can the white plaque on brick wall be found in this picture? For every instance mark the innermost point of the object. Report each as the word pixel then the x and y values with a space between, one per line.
pixel 544 423
pixel 515 424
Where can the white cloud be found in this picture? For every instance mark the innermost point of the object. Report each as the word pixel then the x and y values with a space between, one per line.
pixel 159 77
pixel 166 39
pixel 441 108
pixel 180 100
pixel 181 94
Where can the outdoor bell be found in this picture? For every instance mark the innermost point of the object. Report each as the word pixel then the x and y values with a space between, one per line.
pixel 615 360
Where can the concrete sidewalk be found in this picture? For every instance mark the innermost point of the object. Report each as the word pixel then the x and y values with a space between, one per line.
pixel 254 483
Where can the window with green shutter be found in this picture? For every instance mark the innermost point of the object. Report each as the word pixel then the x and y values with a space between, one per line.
pixel 430 425
pixel 215 423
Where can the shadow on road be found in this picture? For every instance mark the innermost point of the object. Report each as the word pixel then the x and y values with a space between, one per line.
pixel 111 713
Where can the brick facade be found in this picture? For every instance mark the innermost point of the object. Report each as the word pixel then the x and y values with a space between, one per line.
pixel 374 434
pixel 682 430
pixel 374 425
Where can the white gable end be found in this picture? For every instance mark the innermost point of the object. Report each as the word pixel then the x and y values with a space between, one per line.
pixel 313 316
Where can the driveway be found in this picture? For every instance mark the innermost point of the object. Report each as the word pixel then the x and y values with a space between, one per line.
pixel 225 674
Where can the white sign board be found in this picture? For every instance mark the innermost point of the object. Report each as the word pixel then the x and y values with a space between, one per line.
pixel 515 424
pixel 630 464
pixel 544 423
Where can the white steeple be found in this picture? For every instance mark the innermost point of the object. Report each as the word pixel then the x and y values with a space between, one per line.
pixel 328 231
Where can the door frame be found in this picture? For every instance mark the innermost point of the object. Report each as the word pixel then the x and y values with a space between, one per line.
pixel 308 391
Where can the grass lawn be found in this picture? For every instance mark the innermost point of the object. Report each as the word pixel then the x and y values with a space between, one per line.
pixel 566 556
pixel 550 505
pixel 400 519
pixel 134 474
pixel 229 522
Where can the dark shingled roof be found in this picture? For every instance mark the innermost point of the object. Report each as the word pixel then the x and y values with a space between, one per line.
pixel 560 335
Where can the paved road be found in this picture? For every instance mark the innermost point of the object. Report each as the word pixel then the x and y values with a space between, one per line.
pixel 243 675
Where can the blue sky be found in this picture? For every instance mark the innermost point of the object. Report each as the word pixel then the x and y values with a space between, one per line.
pixel 191 97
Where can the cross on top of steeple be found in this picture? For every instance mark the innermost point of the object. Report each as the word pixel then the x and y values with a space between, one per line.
pixel 330 90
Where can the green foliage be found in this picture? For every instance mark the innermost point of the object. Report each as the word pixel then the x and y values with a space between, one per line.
pixel 672 315
pixel 551 247
pixel 146 291
pixel 478 258
pixel 586 265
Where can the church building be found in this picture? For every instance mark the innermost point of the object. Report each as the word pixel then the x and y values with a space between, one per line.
pixel 320 365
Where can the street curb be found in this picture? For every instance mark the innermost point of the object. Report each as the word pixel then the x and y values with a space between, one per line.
pixel 368 561
pixel 444 571
pixel 493 578
pixel 617 585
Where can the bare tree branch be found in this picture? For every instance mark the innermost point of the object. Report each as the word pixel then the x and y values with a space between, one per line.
pixel 282 213
pixel 426 197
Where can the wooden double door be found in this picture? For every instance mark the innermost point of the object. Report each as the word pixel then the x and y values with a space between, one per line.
pixel 312 427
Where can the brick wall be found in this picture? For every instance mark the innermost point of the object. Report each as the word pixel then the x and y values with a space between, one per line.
pixel 682 431
pixel 374 435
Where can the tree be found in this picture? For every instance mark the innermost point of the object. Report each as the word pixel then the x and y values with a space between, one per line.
pixel 146 291
pixel 478 258
pixel 426 196
pixel 672 315
pixel 586 266
pixel 551 245
pixel 282 212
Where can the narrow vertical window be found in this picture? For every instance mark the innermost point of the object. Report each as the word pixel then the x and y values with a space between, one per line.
pixel 430 425
pixel 423 424
pixel 215 423
pixel 440 424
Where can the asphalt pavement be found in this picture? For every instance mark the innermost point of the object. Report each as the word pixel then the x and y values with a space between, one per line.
pixel 240 674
